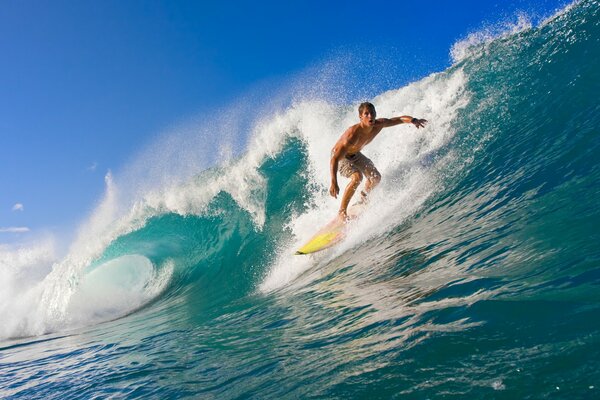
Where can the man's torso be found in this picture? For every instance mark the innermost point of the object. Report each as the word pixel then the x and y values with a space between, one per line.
pixel 358 137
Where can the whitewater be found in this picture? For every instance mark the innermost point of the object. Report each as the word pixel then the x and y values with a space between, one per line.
pixel 474 272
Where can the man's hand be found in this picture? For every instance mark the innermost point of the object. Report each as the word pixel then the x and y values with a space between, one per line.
pixel 334 189
pixel 419 123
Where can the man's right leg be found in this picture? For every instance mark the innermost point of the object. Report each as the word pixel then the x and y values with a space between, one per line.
pixel 355 180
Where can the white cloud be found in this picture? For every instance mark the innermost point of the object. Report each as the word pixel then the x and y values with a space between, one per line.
pixel 14 229
pixel 18 207
pixel 92 167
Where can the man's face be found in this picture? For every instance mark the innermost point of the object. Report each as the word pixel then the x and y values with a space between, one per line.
pixel 368 117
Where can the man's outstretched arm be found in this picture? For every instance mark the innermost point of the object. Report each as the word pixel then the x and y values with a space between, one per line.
pixel 405 119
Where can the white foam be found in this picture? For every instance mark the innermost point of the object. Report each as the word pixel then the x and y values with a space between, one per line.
pixel 21 269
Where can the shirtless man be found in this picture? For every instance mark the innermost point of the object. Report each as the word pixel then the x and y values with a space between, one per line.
pixel 351 162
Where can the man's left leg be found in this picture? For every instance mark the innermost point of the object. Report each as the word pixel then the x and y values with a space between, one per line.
pixel 373 179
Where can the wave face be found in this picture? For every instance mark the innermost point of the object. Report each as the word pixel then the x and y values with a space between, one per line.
pixel 476 274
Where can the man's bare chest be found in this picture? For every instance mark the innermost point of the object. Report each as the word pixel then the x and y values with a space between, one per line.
pixel 360 140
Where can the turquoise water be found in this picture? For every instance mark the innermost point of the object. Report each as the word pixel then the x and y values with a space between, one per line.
pixel 475 275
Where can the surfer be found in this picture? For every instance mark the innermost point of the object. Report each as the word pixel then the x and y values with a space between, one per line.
pixel 347 158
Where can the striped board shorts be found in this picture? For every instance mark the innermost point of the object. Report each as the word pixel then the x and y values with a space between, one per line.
pixel 355 162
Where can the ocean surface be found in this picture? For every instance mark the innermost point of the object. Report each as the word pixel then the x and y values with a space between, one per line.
pixel 474 274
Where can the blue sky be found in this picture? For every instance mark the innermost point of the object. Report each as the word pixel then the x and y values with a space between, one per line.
pixel 85 84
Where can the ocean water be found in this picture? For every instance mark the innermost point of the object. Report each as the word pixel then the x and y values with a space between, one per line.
pixel 476 274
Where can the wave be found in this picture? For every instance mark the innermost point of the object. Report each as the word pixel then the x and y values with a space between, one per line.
pixel 500 185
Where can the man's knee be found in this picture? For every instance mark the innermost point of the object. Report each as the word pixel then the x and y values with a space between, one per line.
pixel 356 178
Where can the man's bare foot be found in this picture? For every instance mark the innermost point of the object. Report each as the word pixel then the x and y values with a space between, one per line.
pixel 343 216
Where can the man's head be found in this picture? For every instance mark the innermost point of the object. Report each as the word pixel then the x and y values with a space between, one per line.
pixel 367 113
pixel 366 105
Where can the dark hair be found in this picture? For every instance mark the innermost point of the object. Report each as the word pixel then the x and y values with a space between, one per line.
pixel 364 105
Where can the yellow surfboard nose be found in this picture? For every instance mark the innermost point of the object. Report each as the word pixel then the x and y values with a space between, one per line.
pixel 319 242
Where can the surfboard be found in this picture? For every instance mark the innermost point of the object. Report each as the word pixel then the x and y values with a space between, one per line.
pixel 332 233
